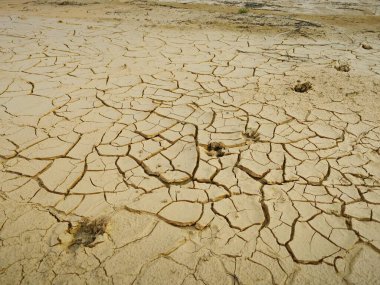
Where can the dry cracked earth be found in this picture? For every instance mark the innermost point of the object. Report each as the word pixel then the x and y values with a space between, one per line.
pixel 147 154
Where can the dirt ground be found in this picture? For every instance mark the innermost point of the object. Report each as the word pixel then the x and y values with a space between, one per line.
pixel 150 142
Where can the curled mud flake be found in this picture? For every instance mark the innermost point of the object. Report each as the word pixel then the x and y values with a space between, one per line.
pixel 216 149
pixel 86 232
pixel 251 134
pixel 366 46
pixel 302 87
pixel 344 67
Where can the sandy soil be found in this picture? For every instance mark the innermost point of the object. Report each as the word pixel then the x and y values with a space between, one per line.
pixel 168 143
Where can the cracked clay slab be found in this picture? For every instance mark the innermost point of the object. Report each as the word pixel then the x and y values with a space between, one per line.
pixel 156 143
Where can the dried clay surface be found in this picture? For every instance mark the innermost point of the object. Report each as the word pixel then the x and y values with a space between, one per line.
pixel 155 143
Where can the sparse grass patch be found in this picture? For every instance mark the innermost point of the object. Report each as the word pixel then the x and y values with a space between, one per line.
pixel 74 3
pixel 70 3
pixel 243 10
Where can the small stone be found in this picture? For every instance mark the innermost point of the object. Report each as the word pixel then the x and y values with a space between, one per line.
pixel 366 46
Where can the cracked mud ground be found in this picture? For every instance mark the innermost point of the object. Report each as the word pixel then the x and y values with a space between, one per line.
pixel 137 148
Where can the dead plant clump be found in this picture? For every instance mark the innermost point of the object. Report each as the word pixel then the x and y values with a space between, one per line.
pixel 302 87
pixel 216 148
pixel 252 134
pixel 344 67
pixel 86 232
